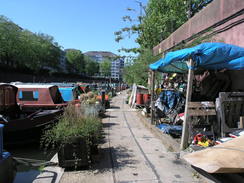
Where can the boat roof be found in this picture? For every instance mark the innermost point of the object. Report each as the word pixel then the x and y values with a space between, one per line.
pixel 7 84
pixel 66 88
pixel 34 86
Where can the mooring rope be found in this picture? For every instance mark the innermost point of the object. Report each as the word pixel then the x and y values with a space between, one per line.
pixel 34 162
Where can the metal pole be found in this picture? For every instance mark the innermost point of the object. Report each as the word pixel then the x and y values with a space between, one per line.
pixel 103 97
pixel 152 96
pixel 185 131
pixel 1 140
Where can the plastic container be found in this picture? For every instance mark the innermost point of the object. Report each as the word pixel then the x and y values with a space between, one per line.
pixel 139 99
pixel 146 98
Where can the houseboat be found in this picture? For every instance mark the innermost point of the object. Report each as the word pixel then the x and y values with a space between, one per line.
pixel 21 126
pixel 33 97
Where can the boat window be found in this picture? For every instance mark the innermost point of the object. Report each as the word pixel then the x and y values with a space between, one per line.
pixel 28 95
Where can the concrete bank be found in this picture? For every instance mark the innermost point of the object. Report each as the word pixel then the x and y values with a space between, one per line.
pixel 50 174
pixel 132 153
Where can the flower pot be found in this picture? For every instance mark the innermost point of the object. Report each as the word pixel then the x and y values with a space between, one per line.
pixel 74 154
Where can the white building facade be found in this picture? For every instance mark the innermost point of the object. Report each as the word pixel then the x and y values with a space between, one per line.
pixel 117 64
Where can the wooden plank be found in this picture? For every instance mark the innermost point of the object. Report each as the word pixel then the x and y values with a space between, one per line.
pixel 199 112
pixel 201 104
pixel 152 98
pixel 241 122
pixel 185 130
pixel 224 158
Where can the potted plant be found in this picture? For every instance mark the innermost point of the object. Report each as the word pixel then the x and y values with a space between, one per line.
pixel 74 137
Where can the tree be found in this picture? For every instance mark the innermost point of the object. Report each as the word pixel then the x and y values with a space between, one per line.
pixel 75 60
pixel 137 72
pixel 9 41
pixel 91 66
pixel 21 48
pixel 159 20
pixel 105 67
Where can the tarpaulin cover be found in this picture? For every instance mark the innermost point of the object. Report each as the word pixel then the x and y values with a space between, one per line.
pixel 212 56
pixel 67 93
pixel 174 130
pixel 168 100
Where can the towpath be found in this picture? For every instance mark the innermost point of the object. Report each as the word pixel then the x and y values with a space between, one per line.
pixel 131 153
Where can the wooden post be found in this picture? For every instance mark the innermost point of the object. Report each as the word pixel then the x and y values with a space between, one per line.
pixel 152 96
pixel 241 122
pixel 185 131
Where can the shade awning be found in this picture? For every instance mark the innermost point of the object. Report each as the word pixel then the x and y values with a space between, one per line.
pixel 212 56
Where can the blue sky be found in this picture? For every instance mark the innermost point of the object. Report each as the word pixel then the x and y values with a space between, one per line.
pixel 87 25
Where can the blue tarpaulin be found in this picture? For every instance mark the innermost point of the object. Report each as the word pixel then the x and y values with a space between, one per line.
pixel 67 93
pixel 174 130
pixel 212 56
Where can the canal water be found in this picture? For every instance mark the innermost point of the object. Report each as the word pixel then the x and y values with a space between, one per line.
pixel 26 173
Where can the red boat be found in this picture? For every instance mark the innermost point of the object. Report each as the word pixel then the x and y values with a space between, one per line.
pixel 34 97
pixel 21 126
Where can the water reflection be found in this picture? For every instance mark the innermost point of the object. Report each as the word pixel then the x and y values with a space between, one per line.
pixel 25 172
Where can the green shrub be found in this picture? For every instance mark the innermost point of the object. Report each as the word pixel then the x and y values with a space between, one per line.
pixel 71 125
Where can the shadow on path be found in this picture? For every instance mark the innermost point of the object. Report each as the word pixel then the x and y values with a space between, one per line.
pixel 114 158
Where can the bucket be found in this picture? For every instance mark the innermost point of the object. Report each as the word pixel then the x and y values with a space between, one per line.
pixel 139 99
pixel 146 98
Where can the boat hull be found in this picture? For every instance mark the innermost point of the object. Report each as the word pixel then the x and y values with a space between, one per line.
pixel 29 129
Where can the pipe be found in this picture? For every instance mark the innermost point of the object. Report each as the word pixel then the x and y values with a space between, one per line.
pixel 1 140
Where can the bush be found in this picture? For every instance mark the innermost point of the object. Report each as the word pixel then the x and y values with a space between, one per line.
pixel 73 124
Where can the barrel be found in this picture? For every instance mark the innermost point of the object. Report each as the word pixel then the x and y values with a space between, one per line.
pixel 139 99
pixel 146 98
pixel 1 140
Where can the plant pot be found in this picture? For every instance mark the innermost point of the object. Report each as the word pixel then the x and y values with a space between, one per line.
pixel 74 154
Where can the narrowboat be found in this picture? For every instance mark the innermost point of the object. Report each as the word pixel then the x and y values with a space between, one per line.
pixel 84 87
pixel 7 164
pixel 21 126
pixel 8 99
pixel 35 97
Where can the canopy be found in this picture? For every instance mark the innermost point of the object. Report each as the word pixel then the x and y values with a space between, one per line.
pixel 212 56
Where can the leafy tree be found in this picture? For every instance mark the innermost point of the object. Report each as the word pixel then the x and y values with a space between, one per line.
pixel 9 41
pixel 105 67
pixel 91 66
pixel 137 72
pixel 75 60
pixel 159 20
pixel 22 48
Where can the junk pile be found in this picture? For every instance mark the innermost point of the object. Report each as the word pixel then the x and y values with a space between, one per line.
pixel 224 158
pixel 214 110
pixel 170 105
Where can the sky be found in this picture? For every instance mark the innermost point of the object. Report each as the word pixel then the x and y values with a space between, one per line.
pixel 87 25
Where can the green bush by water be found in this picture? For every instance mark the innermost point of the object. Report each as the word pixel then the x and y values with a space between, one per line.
pixel 71 125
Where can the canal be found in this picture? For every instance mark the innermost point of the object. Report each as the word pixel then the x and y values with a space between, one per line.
pixel 28 161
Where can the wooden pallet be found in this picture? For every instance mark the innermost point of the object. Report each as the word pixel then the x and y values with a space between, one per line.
pixel 230 107
pixel 200 109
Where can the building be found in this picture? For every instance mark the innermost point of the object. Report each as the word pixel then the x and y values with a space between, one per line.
pixel 99 56
pixel 117 64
